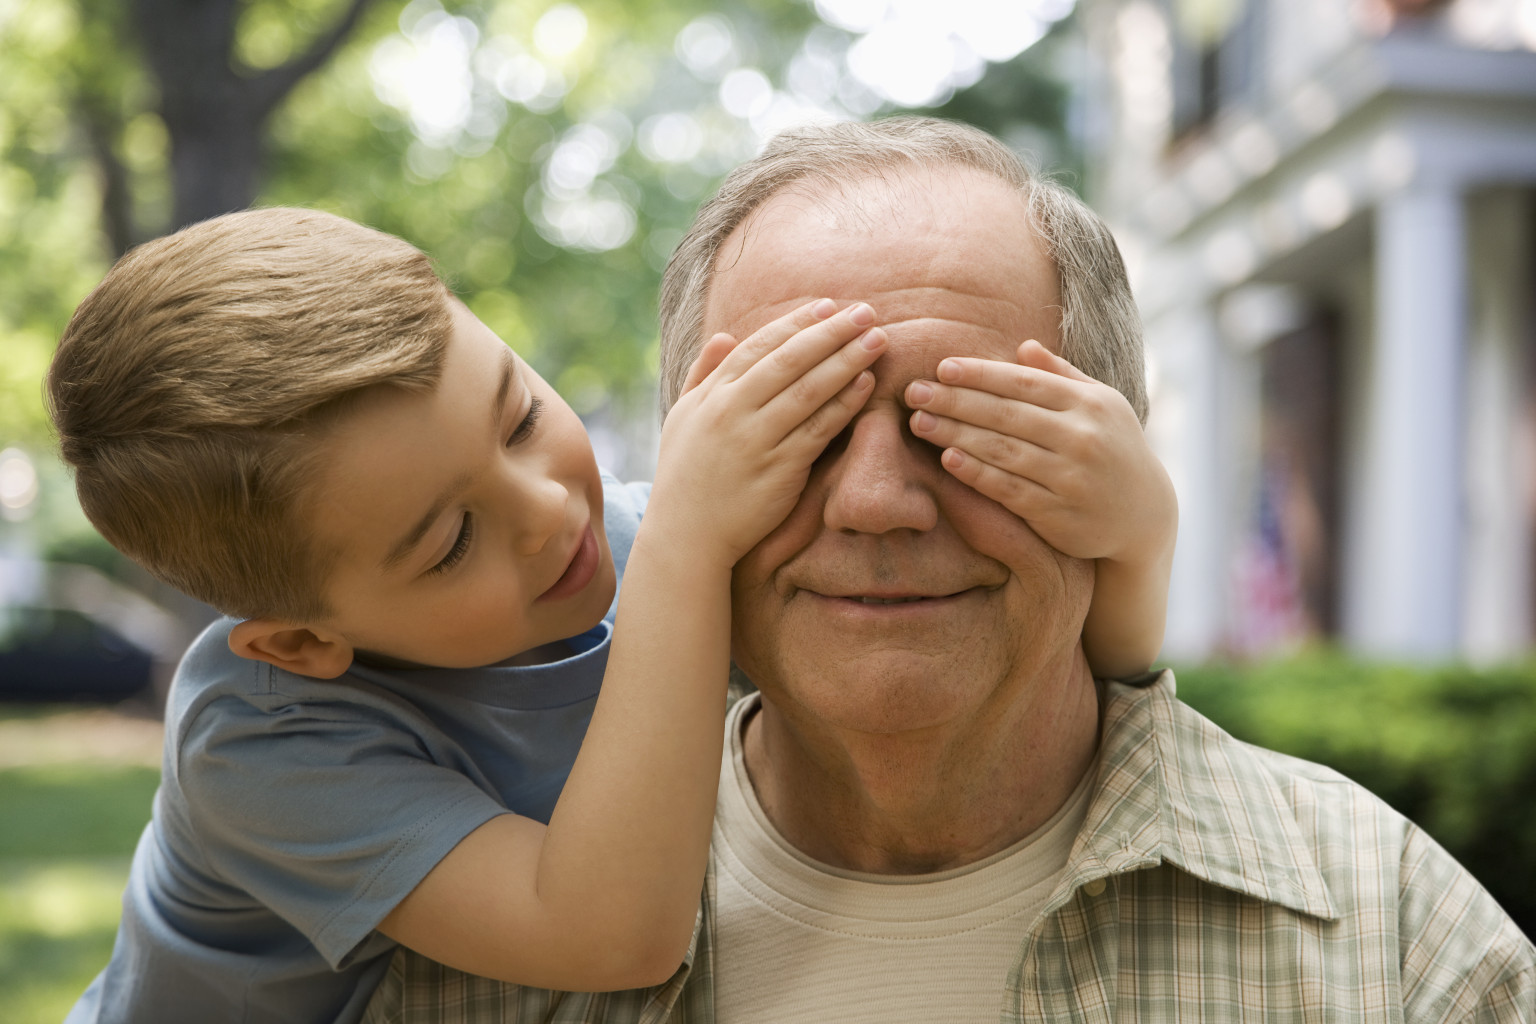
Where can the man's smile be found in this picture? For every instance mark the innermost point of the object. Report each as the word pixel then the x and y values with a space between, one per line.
pixel 886 610
pixel 880 597
pixel 921 572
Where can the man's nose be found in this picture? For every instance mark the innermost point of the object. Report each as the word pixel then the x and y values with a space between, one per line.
pixel 884 479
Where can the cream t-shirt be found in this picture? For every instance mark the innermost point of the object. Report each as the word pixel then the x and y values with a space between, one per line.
pixel 798 940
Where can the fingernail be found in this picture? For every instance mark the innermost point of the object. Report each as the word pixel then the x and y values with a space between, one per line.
pixel 922 422
pixel 861 314
pixel 865 379
pixel 949 370
pixel 919 392
pixel 954 458
pixel 873 339
pixel 823 308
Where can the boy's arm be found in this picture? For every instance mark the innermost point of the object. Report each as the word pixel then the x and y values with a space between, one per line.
pixel 1065 453
pixel 1124 628
pixel 606 896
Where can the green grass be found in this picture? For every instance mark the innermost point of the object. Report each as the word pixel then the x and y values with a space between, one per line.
pixel 57 922
pixel 78 810
pixel 67 834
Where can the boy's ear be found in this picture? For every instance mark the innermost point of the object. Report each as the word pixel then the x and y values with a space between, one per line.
pixel 304 651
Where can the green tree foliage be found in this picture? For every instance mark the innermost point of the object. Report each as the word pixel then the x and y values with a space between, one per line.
pixel 51 249
pixel 548 155
pixel 544 211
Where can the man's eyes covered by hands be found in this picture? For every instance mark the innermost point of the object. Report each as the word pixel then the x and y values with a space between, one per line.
pixel 1061 450
pixel 1066 454
pixel 738 446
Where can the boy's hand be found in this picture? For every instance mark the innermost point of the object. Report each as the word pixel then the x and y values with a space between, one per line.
pixel 1059 449
pixel 737 447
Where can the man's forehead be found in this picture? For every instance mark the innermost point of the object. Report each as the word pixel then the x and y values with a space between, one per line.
pixel 919 344
pixel 900 197
pixel 943 252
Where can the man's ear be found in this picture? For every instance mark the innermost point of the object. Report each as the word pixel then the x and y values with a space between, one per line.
pixel 302 650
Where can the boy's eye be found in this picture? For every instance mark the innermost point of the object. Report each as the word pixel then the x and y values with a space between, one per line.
pixel 460 546
pixel 525 429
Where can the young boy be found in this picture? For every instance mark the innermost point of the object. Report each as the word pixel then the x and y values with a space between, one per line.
pixel 289 417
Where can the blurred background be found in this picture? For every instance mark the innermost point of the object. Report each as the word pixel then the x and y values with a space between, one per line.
pixel 1327 207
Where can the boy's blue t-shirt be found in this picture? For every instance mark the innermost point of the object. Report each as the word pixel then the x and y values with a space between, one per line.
pixel 294 814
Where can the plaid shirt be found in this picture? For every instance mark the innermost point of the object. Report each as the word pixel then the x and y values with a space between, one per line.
pixel 1212 881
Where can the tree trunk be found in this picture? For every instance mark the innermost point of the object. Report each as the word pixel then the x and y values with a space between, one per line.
pixel 216 153
pixel 102 130
pixel 214 112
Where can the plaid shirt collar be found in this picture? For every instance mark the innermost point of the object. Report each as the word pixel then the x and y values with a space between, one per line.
pixel 1174 788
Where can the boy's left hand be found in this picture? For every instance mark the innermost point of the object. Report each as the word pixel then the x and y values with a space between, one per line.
pixel 1061 450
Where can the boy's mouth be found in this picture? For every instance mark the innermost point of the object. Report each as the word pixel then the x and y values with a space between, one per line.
pixel 579 571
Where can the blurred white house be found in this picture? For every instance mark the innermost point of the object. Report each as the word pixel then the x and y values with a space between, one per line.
pixel 1327 210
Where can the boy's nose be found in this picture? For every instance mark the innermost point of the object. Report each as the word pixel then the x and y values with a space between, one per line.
pixel 539 514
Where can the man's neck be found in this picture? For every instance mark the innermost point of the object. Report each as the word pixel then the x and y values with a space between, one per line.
pixel 930 800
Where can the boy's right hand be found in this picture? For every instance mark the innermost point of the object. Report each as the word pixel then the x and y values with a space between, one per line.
pixel 737 448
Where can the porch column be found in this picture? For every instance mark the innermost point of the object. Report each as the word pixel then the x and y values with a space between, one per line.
pixel 1409 589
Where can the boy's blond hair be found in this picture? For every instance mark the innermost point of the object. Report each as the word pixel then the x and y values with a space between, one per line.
pixel 192 391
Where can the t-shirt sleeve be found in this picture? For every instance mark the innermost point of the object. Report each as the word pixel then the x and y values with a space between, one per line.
pixel 639 493
pixel 327 813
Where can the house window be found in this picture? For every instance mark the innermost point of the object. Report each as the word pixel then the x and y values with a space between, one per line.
pixel 1215 56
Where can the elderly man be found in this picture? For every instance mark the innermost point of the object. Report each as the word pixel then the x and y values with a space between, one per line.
pixel 930 810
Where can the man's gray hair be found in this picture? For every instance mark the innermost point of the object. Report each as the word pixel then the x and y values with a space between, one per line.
pixel 1100 326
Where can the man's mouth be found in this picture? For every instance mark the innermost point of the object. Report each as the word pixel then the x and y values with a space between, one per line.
pixel 887 600
pixel 892 611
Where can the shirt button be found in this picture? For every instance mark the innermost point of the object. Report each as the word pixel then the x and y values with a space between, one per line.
pixel 1094 887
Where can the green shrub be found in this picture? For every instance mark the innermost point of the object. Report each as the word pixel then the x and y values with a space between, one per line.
pixel 1451 747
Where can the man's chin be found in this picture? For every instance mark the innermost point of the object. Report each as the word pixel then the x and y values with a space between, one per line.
pixel 880 692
